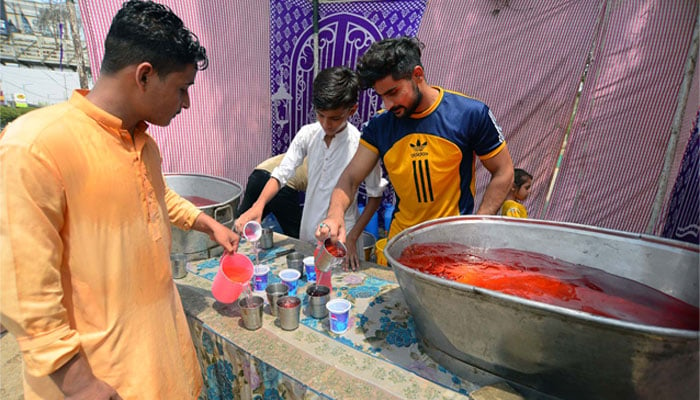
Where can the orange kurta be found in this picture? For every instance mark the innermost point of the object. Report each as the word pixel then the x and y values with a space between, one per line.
pixel 84 253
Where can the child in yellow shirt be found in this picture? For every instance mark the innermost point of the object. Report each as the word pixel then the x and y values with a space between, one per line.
pixel 513 206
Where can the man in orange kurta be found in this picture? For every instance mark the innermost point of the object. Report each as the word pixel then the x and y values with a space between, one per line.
pixel 85 218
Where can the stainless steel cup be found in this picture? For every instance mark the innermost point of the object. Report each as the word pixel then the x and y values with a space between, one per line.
pixel 318 297
pixel 330 254
pixel 266 241
pixel 295 260
pixel 274 292
pixel 288 312
pixel 178 263
pixel 251 314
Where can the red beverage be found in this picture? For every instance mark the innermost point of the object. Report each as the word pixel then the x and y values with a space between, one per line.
pixel 335 249
pixel 288 303
pixel 324 278
pixel 200 201
pixel 541 278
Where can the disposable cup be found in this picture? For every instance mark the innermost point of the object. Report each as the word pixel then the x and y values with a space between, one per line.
pixel 233 276
pixel 251 311
pixel 310 269
pixel 274 291
pixel 260 277
pixel 291 278
pixel 338 313
pixel 379 247
pixel 288 312
pixel 252 231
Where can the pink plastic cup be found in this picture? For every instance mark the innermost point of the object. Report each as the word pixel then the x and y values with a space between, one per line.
pixel 233 276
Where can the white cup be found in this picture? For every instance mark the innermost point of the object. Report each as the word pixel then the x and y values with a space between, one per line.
pixel 260 277
pixel 310 269
pixel 252 231
pixel 291 278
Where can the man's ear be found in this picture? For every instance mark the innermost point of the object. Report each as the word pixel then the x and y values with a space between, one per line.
pixel 418 73
pixel 143 73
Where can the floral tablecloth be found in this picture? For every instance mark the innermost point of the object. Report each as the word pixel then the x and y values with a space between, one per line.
pixel 380 322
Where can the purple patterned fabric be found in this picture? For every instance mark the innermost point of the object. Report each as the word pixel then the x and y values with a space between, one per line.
pixel 346 30
pixel 683 219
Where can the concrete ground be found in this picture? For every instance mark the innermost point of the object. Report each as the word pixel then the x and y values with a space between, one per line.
pixel 11 369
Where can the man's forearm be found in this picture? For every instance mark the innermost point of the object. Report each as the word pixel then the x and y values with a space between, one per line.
pixel 268 192
pixel 340 201
pixel 204 223
pixel 494 196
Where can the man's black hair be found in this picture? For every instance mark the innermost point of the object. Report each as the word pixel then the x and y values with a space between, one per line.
pixel 144 31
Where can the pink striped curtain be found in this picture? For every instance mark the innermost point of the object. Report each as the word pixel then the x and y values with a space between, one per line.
pixel 611 169
pixel 226 132
pixel 526 60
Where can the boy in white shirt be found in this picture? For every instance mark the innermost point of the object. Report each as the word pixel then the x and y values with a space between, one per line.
pixel 329 144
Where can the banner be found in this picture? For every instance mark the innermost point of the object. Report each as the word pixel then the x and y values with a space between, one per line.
pixel 683 218
pixel 345 32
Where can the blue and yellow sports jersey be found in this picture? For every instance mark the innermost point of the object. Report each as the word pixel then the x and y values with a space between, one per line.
pixel 430 157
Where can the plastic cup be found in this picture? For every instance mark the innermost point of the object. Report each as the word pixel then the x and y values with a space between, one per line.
pixel 379 247
pixel 251 312
pixel 260 277
pixel 310 269
pixel 288 308
pixel 339 311
pixel 290 277
pixel 233 276
pixel 274 291
pixel 252 231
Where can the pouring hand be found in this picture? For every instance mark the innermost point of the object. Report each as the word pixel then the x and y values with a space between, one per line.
pixel 330 228
pixel 227 238
pixel 218 232
pixel 253 214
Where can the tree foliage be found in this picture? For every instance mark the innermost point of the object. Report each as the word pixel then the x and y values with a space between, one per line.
pixel 50 17
pixel 9 113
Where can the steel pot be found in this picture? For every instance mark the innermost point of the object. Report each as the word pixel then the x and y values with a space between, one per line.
pixel 550 349
pixel 225 196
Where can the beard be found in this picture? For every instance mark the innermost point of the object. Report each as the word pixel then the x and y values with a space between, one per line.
pixel 408 111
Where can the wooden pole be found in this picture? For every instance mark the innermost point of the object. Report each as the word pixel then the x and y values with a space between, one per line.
pixel 77 44
pixel 683 92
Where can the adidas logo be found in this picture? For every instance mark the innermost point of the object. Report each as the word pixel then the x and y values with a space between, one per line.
pixel 418 148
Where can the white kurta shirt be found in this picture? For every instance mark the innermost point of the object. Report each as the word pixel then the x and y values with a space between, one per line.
pixel 326 164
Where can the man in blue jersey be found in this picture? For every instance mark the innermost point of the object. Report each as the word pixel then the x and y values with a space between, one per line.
pixel 428 138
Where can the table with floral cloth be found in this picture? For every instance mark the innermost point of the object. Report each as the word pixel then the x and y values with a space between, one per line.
pixel 379 352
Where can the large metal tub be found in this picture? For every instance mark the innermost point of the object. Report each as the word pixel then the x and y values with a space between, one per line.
pixel 549 349
pixel 226 196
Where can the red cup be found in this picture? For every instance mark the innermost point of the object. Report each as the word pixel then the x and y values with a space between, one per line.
pixel 233 276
